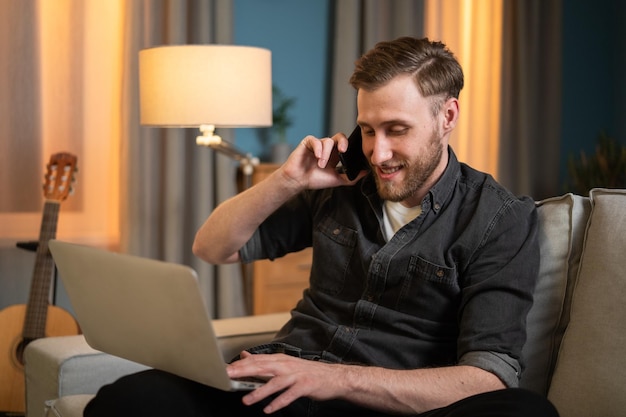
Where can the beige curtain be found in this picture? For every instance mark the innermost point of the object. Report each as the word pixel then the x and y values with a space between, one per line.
pixel 45 89
pixel 36 68
pixel 474 33
pixel 169 184
pixel 20 125
pixel 510 53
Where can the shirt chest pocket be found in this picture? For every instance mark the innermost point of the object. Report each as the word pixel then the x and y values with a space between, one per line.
pixel 337 243
pixel 430 291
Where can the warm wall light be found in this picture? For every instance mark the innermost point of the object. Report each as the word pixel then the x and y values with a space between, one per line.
pixel 207 86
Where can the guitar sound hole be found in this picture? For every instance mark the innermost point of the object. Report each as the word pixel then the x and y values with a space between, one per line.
pixel 19 351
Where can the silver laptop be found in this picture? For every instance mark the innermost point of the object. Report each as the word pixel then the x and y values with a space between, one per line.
pixel 144 310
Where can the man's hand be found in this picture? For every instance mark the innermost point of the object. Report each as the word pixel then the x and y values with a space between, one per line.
pixel 312 165
pixel 292 377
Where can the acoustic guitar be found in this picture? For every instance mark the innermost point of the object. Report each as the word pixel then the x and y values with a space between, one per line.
pixel 21 324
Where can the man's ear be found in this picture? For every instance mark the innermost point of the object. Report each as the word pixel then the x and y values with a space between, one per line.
pixel 449 114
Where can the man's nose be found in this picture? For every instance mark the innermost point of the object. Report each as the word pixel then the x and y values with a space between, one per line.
pixel 381 149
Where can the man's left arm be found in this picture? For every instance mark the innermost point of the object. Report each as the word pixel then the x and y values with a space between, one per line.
pixel 498 291
pixel 390 391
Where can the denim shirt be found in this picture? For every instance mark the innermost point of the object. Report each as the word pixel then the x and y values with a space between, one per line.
pixel 453 286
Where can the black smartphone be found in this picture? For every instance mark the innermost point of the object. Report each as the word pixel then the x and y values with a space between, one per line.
pixel 352 160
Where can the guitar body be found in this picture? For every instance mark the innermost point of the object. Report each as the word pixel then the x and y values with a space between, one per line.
pixel 59 323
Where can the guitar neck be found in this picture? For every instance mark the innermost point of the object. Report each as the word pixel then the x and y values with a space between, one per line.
pixel 39 297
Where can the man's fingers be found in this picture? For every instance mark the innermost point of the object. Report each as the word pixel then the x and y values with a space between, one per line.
pixel 328 145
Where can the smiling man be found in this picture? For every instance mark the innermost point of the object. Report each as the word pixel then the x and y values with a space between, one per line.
pixel 423 269
pixel 404 142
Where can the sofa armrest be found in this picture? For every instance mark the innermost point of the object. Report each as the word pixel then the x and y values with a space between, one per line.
pixel 66 365
pixel 239 333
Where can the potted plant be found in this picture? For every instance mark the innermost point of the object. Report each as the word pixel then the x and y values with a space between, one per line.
pixel 281 121
pixel 605 168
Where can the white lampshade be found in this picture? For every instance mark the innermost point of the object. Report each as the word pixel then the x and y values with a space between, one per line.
pixel 194 85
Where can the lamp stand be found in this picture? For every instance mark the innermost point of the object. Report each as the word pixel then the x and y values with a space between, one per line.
pixel 247 163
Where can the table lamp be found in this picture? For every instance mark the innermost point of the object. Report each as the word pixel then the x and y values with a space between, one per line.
pixel 207 86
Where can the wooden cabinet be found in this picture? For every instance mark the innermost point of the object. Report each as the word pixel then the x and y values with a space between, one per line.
pixel 275 286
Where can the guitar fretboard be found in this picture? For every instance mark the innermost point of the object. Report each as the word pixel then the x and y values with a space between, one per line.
pixel 39 298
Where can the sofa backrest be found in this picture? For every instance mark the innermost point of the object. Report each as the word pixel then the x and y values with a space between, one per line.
pixel 590 374
pixel 575 352
pixel 562 223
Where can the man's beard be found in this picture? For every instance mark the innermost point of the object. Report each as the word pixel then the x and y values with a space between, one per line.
pixel 418 172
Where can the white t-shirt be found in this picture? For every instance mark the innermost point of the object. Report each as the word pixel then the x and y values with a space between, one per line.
pixel 395 216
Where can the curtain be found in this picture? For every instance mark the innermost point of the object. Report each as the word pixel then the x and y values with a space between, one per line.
pixel 510 53
pixel 20 126
pixel 511 104
pixel 531 97
pixel 169 184
pixel 358 26
pixel 40 63
pixel 474 35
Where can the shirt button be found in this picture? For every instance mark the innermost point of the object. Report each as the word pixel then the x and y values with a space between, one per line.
pixel 437 206
pixel 336 231
pixel 440 273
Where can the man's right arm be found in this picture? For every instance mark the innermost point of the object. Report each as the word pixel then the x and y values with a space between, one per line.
pixel 311 165
pixel 234 221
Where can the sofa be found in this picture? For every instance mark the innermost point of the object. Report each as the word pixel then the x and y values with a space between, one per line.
pixel 575 350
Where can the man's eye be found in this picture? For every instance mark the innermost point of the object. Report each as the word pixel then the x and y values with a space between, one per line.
pixel 398 132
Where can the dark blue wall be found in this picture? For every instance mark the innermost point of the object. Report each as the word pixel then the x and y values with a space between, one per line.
pixel 594 81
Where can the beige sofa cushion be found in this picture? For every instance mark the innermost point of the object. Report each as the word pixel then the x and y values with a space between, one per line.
pixel 68 406
pixel 590 373
pixel 562 223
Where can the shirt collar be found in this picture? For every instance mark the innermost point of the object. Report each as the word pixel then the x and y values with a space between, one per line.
pixel 441 192
pixel 437 196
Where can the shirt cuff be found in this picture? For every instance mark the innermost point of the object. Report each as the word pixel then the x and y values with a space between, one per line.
pixel 250 251
pixel 502 365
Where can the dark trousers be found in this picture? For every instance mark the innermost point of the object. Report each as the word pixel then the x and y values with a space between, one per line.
pixel 156 393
